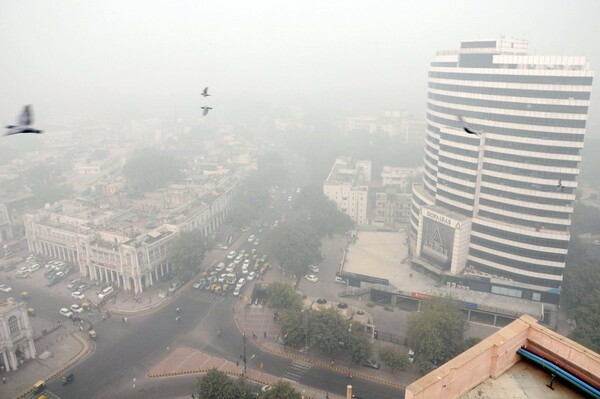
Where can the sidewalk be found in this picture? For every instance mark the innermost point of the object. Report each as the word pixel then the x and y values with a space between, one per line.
pixel 58 350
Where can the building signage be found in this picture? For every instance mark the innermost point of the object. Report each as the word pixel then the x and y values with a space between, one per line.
pixel 438 218
pixel 420 295
pixel 368 279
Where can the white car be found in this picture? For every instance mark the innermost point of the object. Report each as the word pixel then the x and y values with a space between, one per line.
pixel 238 259
pixel 314 268
pixel 231 255
pixel 33 268
pixel 244 270
pixel 220 267
pixel 241 282
pixel 251 276
pixel 246 262
pixel 222 246
pixel 251 238
pixel 312 278
pixel 76 308
pixel 230 267
pixel 66 312
pixel 5 288
pixel 236 291
pixel 77 295
pixel 340 280
pixel 596 242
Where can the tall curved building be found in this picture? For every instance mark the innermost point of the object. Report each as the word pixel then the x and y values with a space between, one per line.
pixel 494 210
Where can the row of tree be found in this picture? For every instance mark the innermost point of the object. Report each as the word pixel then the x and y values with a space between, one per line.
pixel 217 385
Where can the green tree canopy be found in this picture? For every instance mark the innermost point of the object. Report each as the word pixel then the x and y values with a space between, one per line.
pixel 186 253
pixel 46 184
pixel 149 169
pixel 216 385
pixel 436 333
pixel 251 200
pixel 281 390
pixel 394 359
pixel 321 212
pixel 297 247
pixel 284 296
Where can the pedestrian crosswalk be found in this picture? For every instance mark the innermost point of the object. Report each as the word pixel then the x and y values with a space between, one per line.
pixel 206 296
pixel 297 370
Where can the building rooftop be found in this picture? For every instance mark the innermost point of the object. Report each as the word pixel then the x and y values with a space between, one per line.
pixel 494 369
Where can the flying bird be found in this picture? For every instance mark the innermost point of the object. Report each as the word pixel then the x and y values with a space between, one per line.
pixel 559 186
pixel 23 123
pixel 467 128
pixel 206 109
pixel 205 92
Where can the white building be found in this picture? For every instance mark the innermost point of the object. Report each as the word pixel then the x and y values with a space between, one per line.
pixel 16 335
pixel 397 177
pixel 516 180
pixel 348 186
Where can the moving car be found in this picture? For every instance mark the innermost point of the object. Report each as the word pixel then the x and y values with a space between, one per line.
pixel 33 268
pixel 251 238
pixel 22 274
pixel 73 284
pixel 175 286
pixel 231 255
pixel 105 293
pixel 236 291
pixel 411 356
pixel 222 246
pixel 220 267
pixel 66 312
pixel 312 278
pixel 251 276
pixel 370 364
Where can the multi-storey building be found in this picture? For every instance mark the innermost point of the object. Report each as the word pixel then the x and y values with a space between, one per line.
pixel 398 177
pixel 16 335
pixel 392 209
pixel 515 180
pixel 348 186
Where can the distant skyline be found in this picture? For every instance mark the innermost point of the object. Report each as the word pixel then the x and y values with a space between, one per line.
pixel 349 57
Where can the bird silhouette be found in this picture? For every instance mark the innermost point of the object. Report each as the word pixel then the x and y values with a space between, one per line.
pixel 206 109
pixel 559 186
pixel 205 92
pixel 467 128
pixel 23 123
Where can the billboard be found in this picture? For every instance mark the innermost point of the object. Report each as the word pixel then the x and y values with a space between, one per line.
pixel 437 240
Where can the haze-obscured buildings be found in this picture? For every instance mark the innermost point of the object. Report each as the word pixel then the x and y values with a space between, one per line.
pixel 348 186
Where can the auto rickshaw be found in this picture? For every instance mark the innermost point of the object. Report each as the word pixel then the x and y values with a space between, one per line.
pixel 25 295
pixel 92 334
pixel 85 305
pixel 67 379
pixel 30 311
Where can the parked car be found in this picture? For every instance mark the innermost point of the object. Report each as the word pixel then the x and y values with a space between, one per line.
pixel 106 292
pixel 370 364
pixel 411 356
pixel 34 267
pixel 241 282
pixel 314 268
pixel 198 283
pixel 83 287
pixel 22 274
pixel 73 284
pixel 77 295
pixel 340 280
pixel 251 276
pixel 312 278
pixel 5 288
pixel 236 291
pixel 53 281
pixel 66 312
pixel 75 308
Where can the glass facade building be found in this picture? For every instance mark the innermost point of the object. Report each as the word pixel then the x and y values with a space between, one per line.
pixel 516 180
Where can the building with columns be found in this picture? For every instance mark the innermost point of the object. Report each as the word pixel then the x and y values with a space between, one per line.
pixel 16 335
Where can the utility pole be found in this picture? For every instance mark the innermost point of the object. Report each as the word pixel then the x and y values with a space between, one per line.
pixel 244 354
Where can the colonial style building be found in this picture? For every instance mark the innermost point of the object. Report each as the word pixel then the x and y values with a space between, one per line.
pixel 16 335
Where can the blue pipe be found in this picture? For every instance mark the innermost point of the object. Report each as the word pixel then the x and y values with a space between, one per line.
pixel 568 377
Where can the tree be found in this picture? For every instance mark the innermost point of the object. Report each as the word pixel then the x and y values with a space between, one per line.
pixel 281 390
pixel 284 296
pixel 359 347
pixel 271 169
pixel 46 184
pixel 252 199
pixel 394 359
pixel 321 212
pixel 297 247
pixel 217 385
pixel 436 333
pixel 150 169
pixel 294 325
pixel 328 331
pixel 185 255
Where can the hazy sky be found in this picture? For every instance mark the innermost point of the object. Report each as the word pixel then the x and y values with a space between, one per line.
pixel 353 57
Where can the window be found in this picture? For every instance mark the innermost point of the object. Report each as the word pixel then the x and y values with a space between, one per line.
pixel 13 325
